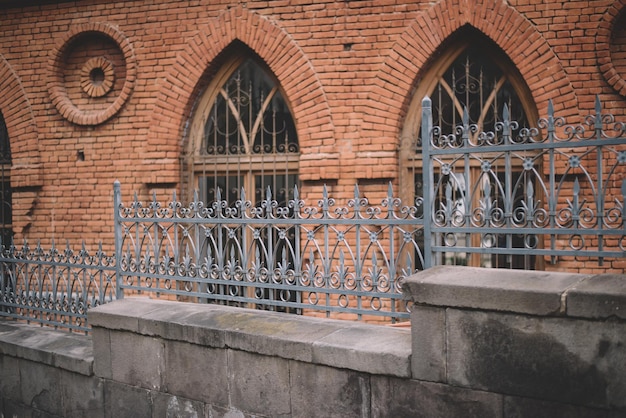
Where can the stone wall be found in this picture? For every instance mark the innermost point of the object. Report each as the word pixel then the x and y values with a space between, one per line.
pixel 481 343
pixel 47 373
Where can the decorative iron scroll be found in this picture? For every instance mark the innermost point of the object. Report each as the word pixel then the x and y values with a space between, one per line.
pixel 55 287
pixel 345 259
pixel 553 191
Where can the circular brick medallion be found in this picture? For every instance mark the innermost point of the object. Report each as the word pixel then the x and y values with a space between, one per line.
pixel 97 77
pixel 92 73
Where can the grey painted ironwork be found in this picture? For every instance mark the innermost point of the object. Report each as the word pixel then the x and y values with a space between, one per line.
pixel 551 191
pixel 350 259
pixel 55 287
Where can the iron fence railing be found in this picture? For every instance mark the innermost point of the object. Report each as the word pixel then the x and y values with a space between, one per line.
pixel 552 193
pixel 292 257
pixel 55 287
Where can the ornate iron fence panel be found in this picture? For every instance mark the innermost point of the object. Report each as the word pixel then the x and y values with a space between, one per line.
pixel 55 287
pixel 554 192
pixel 350 259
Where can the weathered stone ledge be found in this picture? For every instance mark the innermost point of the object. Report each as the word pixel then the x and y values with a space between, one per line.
pixel 72 352
pixel 517 291
pixel 361 347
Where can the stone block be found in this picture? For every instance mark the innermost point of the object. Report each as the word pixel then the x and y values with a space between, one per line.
pixel 83 396
pixel 428 358
pixel 555 359
pixel 366 348
pixel 515 407
pixel 123 401
pixel 137 360
pixel 320 391
pixel 40 386
pixel 196 372
pixel 168 406
pixel 68 351
pixel 10 378
pixel 101 340
pixel 531 292
pixel 259 384
pixel 123 314
pixel 287 336
pixel 601 296
pixel 393 397
pixel 221 412
pixel 174 324
pixel 14 409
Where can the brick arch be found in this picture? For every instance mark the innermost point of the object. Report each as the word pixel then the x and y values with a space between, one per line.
pixel 22 129
pixel 284 57
pixel 603 49
pixel 524 45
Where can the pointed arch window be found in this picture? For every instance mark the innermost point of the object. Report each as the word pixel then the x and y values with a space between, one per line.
pixel 475 81
pixel 248 138
pixel 474 75
pixel 6 212
pixel 244 138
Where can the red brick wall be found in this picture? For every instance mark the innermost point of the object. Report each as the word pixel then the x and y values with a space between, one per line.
pixel 348 68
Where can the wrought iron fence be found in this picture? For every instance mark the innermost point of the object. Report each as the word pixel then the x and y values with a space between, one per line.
pixel 55 287
pixel 296 258
pixel 552 192
pixel 490 198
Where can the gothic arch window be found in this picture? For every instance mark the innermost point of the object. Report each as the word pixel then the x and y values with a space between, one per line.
pixel 6 213
pixel 473 74
pixel 244 136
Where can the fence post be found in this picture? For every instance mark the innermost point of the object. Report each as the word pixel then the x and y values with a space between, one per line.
pixel 117 231
pixel 427 178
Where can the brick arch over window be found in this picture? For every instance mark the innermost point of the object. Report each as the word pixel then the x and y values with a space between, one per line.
pixel 26 172
pixel 614 14
pixel 279 51
pixel 524 45
pixel 20 122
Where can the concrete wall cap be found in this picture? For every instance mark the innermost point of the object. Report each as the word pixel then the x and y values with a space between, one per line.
pixel 72 352
pixel 519 291
pixel 601 296
pixel 363 347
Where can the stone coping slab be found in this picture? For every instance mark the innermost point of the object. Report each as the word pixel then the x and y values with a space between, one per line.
pixel 375 349
pixel 73 352
pixel 519 291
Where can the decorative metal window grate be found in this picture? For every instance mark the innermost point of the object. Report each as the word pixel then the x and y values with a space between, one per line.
pixel 475 82
pixel 249 139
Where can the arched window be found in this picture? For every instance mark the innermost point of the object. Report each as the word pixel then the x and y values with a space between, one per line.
pixel 244 136
pixel 472 74
pixel 6 213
